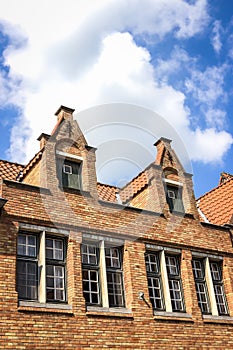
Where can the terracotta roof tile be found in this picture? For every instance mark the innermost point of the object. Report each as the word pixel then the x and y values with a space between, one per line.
pixel 217 204
pixel 10 170
pixel 134 186
pixel 107 192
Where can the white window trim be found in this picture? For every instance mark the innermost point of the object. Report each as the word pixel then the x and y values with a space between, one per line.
pixel 209 281
pixel 164 277
pixel 88 238
pixel 41 231
pixel 69 156
pixel 37 229
pixel 172 182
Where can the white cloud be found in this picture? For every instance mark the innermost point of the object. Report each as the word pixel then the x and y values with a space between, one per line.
pixel 207 91
pixel 216 36
pixel 82 55
pixel 209 145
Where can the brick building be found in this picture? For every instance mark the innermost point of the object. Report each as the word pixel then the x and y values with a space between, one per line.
pixel 88 265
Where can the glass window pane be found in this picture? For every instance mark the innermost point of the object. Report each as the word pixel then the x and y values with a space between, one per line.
pixel 112 257
pixel 89 254
pixel 172 264
pixel 27 280
pixel 55 289
pixel 91 286
pixel 115 290
pixel 26 245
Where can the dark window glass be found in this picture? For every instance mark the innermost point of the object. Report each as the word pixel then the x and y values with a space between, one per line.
pixel 69 173
pixel 216 273
pixel 114 276
pixel 174 198
pixel 90 273
pixel 27 267
pixel 27 280
pixel 174 281
pixel 200 284
pixel 154 280
pixel 55 269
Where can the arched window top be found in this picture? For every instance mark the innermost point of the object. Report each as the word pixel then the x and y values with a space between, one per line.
pixel 170 173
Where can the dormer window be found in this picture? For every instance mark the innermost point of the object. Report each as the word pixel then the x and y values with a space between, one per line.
pixel 69 171
pixel 174 198
pixel 71 174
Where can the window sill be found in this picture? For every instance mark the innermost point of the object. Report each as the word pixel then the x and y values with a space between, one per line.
pixel 109 312
pixel 44 307
pixel 172 316
pixel 217 319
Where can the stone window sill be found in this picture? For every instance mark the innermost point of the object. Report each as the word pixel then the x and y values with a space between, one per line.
pixel 172 316
pixel 109 312
pixel 217 319
pixel 35 306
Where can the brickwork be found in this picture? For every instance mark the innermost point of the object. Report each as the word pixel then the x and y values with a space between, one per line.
pixel 146 222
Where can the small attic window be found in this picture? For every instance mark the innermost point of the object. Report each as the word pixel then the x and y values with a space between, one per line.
pixel 69 173
pixel 173 189
pixel 174 198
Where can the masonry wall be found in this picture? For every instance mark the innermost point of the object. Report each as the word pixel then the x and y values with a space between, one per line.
pixel 24 327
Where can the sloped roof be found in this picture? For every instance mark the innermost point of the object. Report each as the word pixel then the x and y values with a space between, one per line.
pixel 10 170
pixel 217 204
pixel 107 192
pixel 134 186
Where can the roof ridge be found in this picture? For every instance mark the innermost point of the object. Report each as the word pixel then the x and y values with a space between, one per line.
pixel 15 163
pixel 101 183
pixel 215 188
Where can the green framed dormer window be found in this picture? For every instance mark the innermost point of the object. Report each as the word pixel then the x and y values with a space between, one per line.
pixel 174 198
pixel 69 173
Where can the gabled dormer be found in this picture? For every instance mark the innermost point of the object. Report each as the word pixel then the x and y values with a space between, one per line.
pixel 178 186
pixel 65 161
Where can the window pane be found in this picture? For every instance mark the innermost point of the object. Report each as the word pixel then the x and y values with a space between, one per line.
pixel 176 295
pixel 198 269
pixel 26 245
pixel 27 281
pixel 152 263
pixel 55 288
pixel 220 299
pixel 54 248
pixel 91 289
pixel 174 198
pixel 216 271
pixel 112 257
pixel 155 293
pixel 115 290
pixel 172 263
pixel 89 254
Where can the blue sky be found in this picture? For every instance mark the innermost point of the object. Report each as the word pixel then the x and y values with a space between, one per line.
pixel 173 57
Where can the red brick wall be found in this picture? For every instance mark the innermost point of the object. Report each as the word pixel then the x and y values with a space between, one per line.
pixel 31 328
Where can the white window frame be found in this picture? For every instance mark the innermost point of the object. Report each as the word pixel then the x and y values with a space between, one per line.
pixel 42 233
pixel 207 260
pixel 163 252
pixel 102 243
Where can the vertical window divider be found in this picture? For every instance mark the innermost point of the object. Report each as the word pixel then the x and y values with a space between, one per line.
pixel 42 268
pixel 103 275
pixel 210 286
pixel 164 277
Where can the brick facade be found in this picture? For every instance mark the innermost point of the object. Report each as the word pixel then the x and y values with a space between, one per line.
pixel 39 203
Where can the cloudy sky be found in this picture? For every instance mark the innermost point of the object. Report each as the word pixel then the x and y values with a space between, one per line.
pixel 173 57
